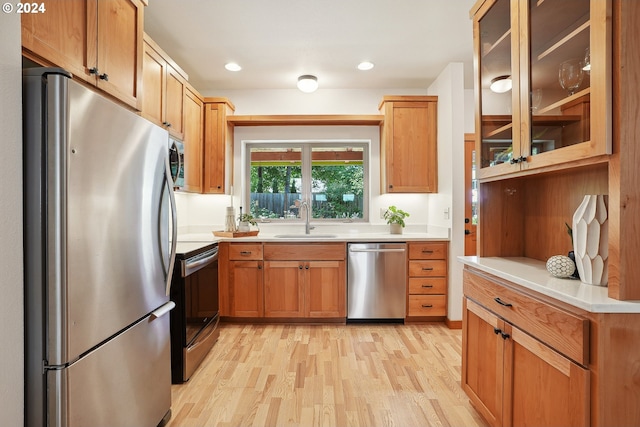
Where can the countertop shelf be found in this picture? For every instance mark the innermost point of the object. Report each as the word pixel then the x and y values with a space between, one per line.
pixel 532 274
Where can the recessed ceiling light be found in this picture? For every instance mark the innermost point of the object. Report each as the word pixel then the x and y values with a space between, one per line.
pixel 232 66
pixel 366 65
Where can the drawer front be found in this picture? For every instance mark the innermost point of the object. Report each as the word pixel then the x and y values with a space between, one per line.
pixel 245 251
pixel 566 332
pixel 427 305
pixel 427 268
pixel 305 251
pixel 427 285
pixel 428 250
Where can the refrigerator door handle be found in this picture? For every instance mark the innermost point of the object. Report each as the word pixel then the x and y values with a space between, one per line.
pixel 163 309
pixel 174 226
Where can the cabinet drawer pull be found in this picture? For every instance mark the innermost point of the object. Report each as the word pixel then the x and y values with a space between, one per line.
pixel 427 305
pixel 427 268
pixel 426 251
pixel 245 252
pixel 427 286
pixel 499 301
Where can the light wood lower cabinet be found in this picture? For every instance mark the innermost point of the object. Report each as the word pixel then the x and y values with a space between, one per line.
pixel 305 280
pixel 510 372
pixel 274 280
pixel 427 296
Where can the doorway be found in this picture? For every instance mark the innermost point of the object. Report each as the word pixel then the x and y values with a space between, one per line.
pixel 470 195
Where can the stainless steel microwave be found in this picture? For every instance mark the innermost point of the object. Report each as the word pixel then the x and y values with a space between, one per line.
pixel 176 161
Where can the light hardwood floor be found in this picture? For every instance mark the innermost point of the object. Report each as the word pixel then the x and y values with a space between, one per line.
pixel 328 375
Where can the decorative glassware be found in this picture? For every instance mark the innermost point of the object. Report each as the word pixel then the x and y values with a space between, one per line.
pixel 570 75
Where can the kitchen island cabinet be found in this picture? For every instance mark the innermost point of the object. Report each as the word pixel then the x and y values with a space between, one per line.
pixel 98 41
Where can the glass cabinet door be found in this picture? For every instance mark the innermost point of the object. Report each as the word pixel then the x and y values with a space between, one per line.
pixel 495 78
pixel 559 68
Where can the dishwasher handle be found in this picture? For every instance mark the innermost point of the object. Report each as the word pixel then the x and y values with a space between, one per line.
pixel 377 250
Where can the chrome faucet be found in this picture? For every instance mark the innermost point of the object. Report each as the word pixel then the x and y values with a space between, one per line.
pixel 307 226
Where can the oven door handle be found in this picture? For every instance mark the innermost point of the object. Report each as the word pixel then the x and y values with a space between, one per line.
pixel 191 267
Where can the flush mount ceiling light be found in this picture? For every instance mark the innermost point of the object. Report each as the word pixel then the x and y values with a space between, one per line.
pixel 232 66
pixel 501 84
pixel 307 83
pixel 365 65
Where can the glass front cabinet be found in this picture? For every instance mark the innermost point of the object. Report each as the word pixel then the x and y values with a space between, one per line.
pixel 543 83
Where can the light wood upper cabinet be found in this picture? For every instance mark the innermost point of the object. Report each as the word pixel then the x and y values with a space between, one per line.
pixel 98 41
pixel 408 144
pixel 557 56
pixel 164 90
pixel 193 139
pixel 218 146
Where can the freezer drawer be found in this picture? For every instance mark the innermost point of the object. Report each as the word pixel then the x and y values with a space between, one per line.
pixel 126 382
pixel 377 281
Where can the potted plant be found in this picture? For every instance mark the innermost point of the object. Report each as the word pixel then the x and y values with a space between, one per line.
pixel 246 221
pixel 395 218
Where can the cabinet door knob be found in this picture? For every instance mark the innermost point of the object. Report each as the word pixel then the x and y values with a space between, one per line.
pixel 259 266
pixel 300 267
pixel 93 70
pixel 104 76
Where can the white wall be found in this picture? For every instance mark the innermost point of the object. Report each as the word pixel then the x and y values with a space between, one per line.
pixel 11 282
pixel 449 87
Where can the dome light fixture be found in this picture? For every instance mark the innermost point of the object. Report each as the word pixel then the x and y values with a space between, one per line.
pixel 232 66
pixel 307 83
pixel 365 65
pixel 501 84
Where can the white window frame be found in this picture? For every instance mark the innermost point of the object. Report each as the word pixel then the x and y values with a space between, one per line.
pixel 306 146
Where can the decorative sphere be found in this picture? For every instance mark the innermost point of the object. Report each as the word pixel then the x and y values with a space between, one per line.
pixel 560 266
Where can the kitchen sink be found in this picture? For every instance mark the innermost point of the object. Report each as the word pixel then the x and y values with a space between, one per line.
pixel 305 236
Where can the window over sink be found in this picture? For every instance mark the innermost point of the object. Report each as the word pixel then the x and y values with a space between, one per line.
pixel 331 176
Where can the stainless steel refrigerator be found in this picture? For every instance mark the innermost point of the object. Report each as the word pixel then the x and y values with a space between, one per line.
pixel 98 214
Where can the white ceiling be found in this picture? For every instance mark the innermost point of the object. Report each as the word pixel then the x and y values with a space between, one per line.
pixel 409 41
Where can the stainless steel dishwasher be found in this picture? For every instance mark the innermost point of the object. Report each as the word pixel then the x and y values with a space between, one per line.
pixel 376 281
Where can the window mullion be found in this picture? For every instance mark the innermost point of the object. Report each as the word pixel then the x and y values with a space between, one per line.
pixel 306 176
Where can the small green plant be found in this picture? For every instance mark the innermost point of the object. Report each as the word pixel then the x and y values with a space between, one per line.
pixel 245 217
pixel 394 215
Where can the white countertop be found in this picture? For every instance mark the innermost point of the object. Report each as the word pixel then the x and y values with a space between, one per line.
pixel 192 239
pixel 533 274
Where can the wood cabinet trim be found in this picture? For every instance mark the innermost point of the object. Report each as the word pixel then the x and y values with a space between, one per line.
pixel 305 120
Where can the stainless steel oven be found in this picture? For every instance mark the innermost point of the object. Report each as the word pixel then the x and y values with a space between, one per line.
pixel 194 321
